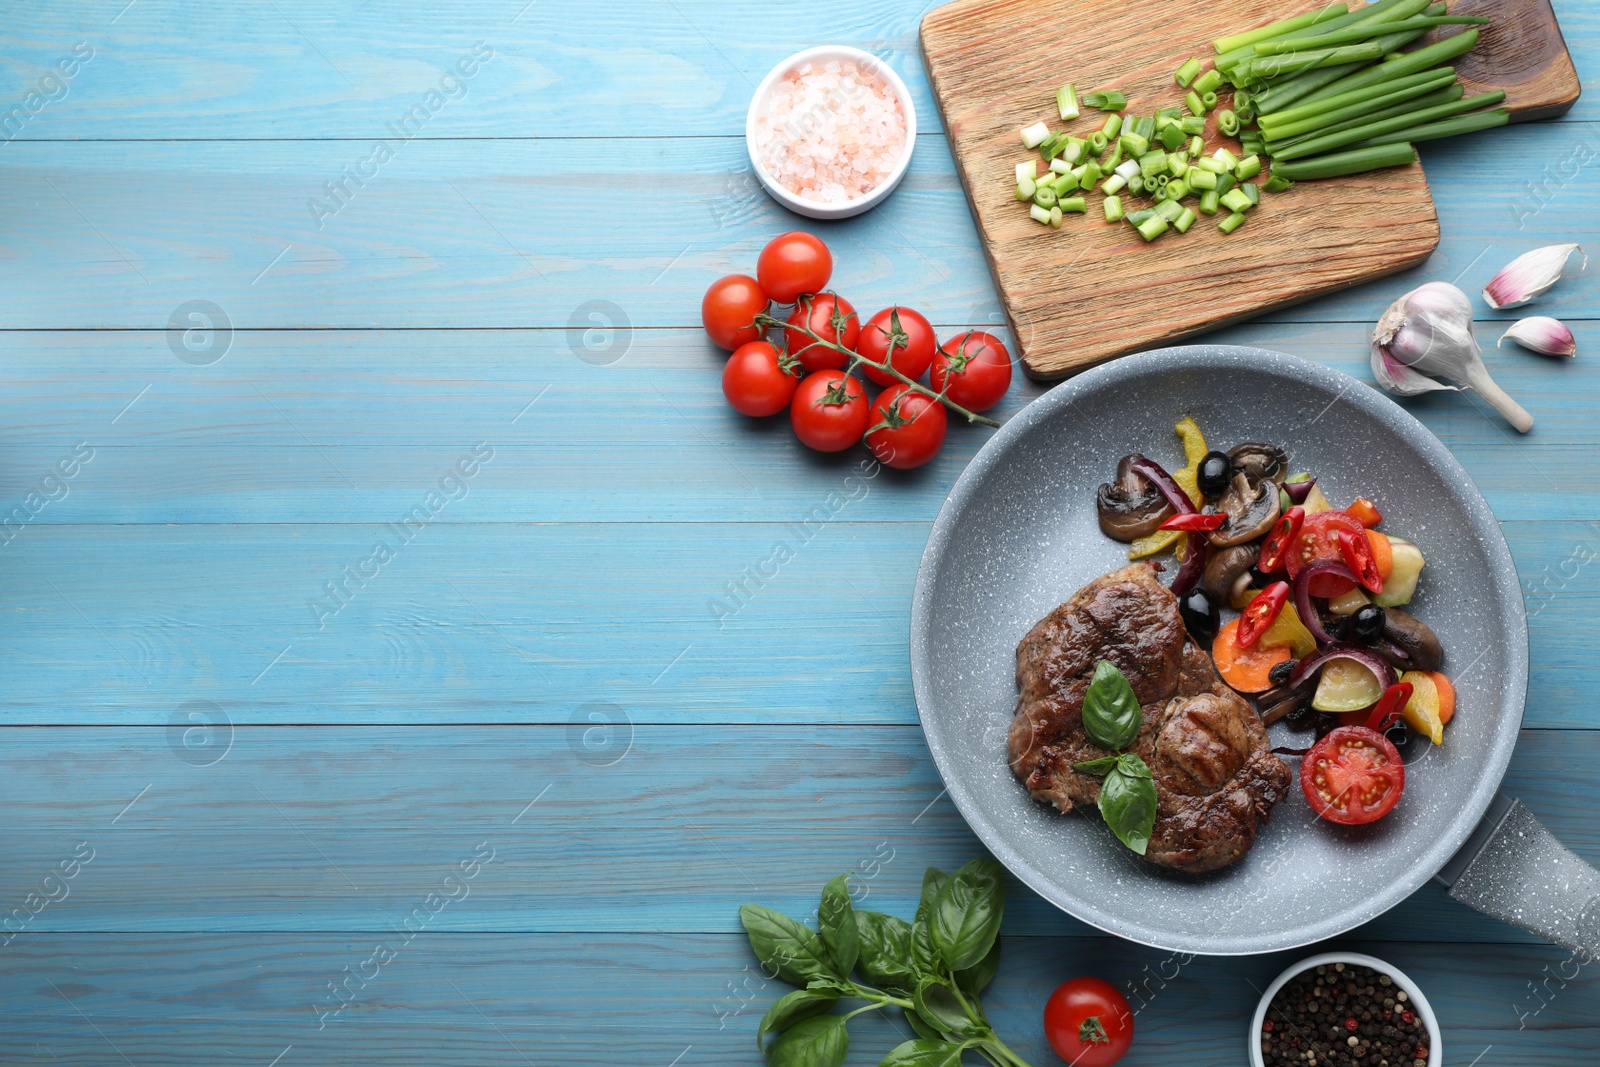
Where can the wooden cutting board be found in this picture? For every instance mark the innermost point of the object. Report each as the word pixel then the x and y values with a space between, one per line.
pixel 1092 290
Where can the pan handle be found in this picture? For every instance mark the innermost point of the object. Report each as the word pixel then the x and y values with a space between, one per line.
pixel 1515 870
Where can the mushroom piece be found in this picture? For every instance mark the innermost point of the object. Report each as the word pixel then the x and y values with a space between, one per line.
pixel 1279 701
pixel 1417 644
pixel 1131 507
pixel 1227 574
pixel 1252 508
pixel 1259 462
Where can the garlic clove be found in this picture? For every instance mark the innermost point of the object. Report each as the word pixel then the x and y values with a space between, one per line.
pixel 1542 334
pixel 1529 275
pixel 1400 379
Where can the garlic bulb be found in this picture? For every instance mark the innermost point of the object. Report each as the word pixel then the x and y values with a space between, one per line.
pixel 1543 334
pixel 1529 275
pixel 1428 332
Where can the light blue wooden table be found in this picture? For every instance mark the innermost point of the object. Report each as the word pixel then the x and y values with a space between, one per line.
pixel 521 747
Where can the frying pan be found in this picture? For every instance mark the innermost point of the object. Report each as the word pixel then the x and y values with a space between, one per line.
pixel 1018 535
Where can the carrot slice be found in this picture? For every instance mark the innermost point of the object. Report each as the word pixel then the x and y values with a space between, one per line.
pixel 1447 695
pixel 1382 553
pixel 1246 669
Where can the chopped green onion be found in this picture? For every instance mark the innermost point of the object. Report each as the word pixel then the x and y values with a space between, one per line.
pixel 1091 175
pixel 1033 136
pixel 1028 169
pixel 1112 126
pixel 1193 102
pixel 1067 102
pixel 1173 113
pixel 1339 164
pixel 1277 29
pixel 1133 218
pixel 1232 222
pixel 1215 166
pixel 1176 189
pixel 1114 158
pixel 1158 185
pixel 1352 34
pixel 1432 131
pixel 1277 184
pixel 1186 73
pixel 1152 227
pixel 1197 145
pixel 1106 100
pixel 1226 158
pixel 1192 125
pixel 1039 214
pixel 1128 169
pixel 1171 135
pixel 1045 197
pixel 1133 144
pixel 1113 208
pixel 1025 189
pixel 1209 82
pixel 1236 200
pixel 1169 209
pixel 1208 202
pixel 1247 168
pixel 1152 163
pixel 1074 152
pixel 1075 204
pixel 1113 185
pixel 1097 142
pixel 1055 217
pixel 1225 181
pixel 1060 166
pixel 1228 122
pixel 1143 126
pixel 1199 178
pixel 1374 130
pixel 1136 184
pixel 1251 192
pixel 1184 221
pixel 1065 182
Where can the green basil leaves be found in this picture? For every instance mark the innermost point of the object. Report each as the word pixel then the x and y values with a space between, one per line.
pixel 1128 801
pixel 1111 714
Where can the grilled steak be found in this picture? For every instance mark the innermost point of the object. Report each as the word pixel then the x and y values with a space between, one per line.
pixel 1215 775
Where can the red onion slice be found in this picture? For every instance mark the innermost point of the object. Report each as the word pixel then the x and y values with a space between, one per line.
pixel 1298 491
pixel 1364 656
pixel 1170 489
pixel 1302 595
pixel 1194 565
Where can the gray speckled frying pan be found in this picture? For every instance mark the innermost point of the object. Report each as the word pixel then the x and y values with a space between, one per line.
pixel 1018 536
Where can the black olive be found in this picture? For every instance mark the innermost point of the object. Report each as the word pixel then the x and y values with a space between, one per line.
pixel 1281 672
pixel 1401 737
pixel 1199 617
pixel 1216 471
pixel 1301 717
pixel 1367 624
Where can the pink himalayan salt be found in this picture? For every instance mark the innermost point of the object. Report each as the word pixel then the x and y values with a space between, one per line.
pixel 831 132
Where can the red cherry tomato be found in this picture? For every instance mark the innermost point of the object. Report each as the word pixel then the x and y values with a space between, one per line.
pixel 1353 775
pixel 1319 541
pixel 832 318
pixel 1262 612
pixel 758 380
pixel 907 427
pixel 1088 1023
pixel 729 310
pixel 829 411
pixel 794 263
pixel 973 369
pixel 1276 547
pixel 901 338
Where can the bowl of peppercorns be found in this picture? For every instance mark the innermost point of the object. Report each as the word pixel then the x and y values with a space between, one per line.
pixel 1343 1009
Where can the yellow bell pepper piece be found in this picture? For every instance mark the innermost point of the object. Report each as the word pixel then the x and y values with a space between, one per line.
pixel 1286 631
pixel 1188 479
pixel 1421 712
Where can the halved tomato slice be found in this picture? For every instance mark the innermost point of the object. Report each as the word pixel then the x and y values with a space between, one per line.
pixel 1319 542
pixel 1353 776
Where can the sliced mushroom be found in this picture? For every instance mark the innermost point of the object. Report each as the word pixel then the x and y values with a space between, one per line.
pixel 1414 639
pixel 1252 508
pixel 1260 462
pixel 1227 573
pixel 1131 507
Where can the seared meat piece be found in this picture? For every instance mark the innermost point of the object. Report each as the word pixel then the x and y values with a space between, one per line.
pixel 1215 775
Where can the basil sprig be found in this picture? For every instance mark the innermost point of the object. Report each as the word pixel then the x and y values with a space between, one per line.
pixel 933 969
pixel 1111 718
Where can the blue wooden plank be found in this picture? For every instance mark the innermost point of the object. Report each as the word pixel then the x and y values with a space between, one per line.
pixel 591 825
pixel 521 234
pixel 515 623
pixel 606 999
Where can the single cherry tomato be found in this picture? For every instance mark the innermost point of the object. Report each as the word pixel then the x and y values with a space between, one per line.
pixel 1353 776
pixel 729 310
pixel 1194 520
pixel 759 380
pixel 1088 1022
pixel 907 427
pixel 1357 552
pixel 1276 547
pixel 1319 541
pixel 792 264
pixel 829 411
pixel 1365 512
pixel 973 369
pixel 832 318
pixel 901 338
pixel 1386 712
pixel 1262 612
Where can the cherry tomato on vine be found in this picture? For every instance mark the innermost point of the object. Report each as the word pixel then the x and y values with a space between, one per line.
pixel 903 332
pixel 832 318
pixel 1317 542
pixel 794 263
pixel 1088 1022
pixel 973 369
pixel 907 427
pixel 1353 775
pixel 829 411
pixel 729 310
pixel 759 380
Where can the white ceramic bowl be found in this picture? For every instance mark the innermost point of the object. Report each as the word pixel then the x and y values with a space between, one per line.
pixel 1418 1001
pixel 816 209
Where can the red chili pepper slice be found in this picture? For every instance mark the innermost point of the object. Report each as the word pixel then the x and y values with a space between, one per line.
pixel 1387 710
pixel 1276 546
pixel 1357 552
pixel 1196 521
pixel 1261 612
